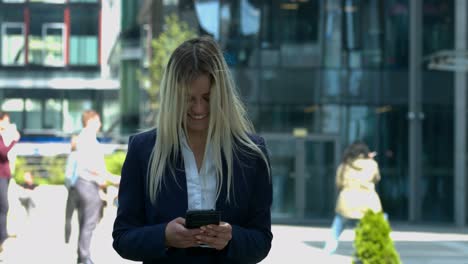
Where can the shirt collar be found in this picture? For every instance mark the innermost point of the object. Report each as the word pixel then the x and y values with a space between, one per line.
pixel 185 145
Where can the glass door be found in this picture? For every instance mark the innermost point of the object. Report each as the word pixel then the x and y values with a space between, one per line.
pixel 303 170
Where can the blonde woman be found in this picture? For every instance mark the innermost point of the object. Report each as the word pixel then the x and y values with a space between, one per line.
pixel 202 155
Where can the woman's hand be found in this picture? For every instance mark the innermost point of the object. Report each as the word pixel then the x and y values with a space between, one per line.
pixel 180 237
pixel 215 236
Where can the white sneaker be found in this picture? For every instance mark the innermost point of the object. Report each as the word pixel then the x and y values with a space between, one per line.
pixel 330 247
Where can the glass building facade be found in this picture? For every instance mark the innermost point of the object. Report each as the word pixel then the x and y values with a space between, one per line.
pixel 317 75
pixel 50 65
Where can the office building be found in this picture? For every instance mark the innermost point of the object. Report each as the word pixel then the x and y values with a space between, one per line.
pixel 50 65
pixel 317 75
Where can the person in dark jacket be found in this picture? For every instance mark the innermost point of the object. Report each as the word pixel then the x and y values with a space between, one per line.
pixel 202 155
pixel 9 135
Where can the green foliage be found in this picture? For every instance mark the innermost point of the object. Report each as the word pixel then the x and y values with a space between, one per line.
pixel 114 162
pixel 55 169
pixel 176 32
pixel 373 244
pixel 45 170
pixel 51 170
pixel 20 169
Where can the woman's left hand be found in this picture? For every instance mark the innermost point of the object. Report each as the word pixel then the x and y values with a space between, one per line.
pixel 215 236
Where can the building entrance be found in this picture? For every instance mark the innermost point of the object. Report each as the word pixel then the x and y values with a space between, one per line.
pixel 303 173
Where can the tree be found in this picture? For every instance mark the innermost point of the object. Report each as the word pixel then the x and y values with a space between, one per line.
pixel 175 32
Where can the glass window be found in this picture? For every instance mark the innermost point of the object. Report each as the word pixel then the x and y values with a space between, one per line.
pixel 53 40
pixel 362 33
pixel 238 31
pixel 110 115
pixel 299 22
pixel 392 157
pixel 47 35
pixel 437 181
pixel 83 1
pixel 49 1
pixel 332 41
pixel 396 32
pixel 53 114
pixel 72 110
pixel 438 25
pixel 208 17
pixel 33 114
pixel 84 35
pixel 13 43
pixel 330 118
pixel 361 123
pixel 291 28
pixel 14 107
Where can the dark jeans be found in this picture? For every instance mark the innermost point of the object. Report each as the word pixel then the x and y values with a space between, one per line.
pixel 89 207
pixel 72 205
pixel 4 182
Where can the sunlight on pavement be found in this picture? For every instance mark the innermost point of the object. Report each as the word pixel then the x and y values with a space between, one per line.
pixel 40 238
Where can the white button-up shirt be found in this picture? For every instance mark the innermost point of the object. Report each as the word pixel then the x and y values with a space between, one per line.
pixel 91 165
pixel 201 186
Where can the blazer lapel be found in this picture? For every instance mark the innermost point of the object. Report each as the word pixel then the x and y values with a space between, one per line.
pixel 181 184
pixel 221 201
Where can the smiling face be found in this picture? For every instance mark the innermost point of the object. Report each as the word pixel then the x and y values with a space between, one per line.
pixel 198 109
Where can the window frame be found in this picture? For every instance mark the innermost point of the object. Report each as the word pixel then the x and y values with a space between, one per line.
pixel 54 25
pixel 3 30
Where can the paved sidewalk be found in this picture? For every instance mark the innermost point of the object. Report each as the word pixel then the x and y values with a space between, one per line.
pixel 415 244
pixel 40 238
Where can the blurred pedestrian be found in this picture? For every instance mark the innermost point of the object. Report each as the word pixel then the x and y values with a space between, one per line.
pixel 203 156
pixel 9 135
pixel 91 171
pixel 71 176
pixel 356 177
pixel 26 195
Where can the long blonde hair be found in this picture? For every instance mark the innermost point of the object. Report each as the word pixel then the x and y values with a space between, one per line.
pixel 228 124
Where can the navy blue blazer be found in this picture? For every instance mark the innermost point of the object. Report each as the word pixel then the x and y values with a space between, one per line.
pixel 139 228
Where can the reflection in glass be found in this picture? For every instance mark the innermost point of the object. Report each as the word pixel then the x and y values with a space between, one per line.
pixel 49 1
pixel 282 159
pixel 47 35
pixel 250 18
pixel 291 30
pixel 83 50
pixel 320 178
pixel 14 107
pixel 110 115
pixel 72 110
pixel 360 123
pixel 208 16
pixel 53 114
pixel 13 42
pixel 330 117
pixel 84 35
pixel 33 114
pixel 53 44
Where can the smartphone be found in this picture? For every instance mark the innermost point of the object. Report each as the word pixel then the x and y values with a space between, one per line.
pixel 198 218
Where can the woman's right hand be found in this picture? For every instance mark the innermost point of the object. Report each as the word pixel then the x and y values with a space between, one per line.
pixel 13 132
pixel 180 237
